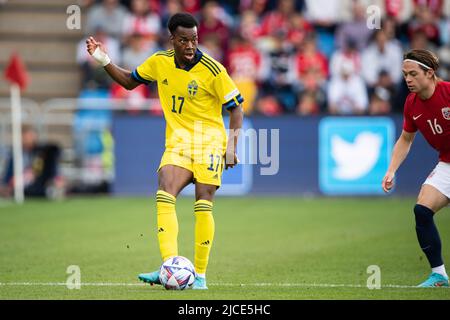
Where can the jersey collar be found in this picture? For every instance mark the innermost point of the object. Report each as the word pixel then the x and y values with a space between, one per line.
pixel 198 56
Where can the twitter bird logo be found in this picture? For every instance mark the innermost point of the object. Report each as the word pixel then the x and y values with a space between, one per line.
pixel 354 154
pixel 355 159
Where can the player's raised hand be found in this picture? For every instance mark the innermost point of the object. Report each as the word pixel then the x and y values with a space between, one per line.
pixel 97 51
pixel 92 44
pixel 388 181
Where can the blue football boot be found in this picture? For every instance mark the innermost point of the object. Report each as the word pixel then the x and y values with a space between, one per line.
pixel 435 280
pixel 199 284
pixel 151 278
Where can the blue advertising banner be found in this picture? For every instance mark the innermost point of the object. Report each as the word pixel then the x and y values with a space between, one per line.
pixel 354 154
pixel 304 156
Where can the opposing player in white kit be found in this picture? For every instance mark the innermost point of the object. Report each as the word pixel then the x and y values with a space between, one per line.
pixel 427 109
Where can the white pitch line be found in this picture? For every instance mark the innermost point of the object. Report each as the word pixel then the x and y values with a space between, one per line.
pixel 63 284
pixel 118 284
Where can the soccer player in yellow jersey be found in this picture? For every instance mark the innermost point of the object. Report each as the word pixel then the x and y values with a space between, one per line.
pixel 193 88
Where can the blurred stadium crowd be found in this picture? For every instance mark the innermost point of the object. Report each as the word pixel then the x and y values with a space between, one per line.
pixel 303 57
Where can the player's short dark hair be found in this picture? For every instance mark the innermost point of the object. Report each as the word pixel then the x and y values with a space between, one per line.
pixel 426 57
pixel 184 20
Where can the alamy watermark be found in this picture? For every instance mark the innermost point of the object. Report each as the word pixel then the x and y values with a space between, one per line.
pixel 74 279
pixel 373 17
pixel 73 21
pixel 374 280
pixel 207 145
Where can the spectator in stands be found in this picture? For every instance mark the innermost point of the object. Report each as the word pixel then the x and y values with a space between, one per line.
pixel 355 30
pixel 444 51
pixel 444 61
pixel 212 22
pixel 444 31
pixel 435 7
pixel 259 7
pixel 245 67
pixel 191 6
pixel 142 21
pixel 312 72
pixel 108 15
pixel 93 75
pixel 211 46
pixel 134 101
pixel 279 19
pixel 380 102
pixel 310 103
pixel 311 93
pixel 426 21
pixel 232 7
pixel 40 168
pixel 391 29
pixel 249 26
pixel 279 74
pixel 85 3
pixel 324 13
pixel 309 57
pixel 350 53
pixel 137 51
pixel 347 92
pixel 382 96
pixel 382 54
pixel 134 54
pixel 155 6
pixel 268 105
pixel 171 7
pixel 299 28
pixel 419 40
pixel 400 10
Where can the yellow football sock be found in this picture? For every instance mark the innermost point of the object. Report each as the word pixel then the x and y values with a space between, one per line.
pixel 167 224
pixel 204 234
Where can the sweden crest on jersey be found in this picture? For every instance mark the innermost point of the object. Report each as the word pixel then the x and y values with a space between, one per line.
pixel 192 88
pixel 446 113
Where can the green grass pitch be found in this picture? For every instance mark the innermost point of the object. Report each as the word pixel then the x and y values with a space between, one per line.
pixel 265 248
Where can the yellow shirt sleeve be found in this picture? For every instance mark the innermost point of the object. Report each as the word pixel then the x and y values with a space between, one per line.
pixel 226 90
pixel 146 72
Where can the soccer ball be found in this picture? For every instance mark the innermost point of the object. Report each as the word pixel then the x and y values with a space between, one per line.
pixel 177 273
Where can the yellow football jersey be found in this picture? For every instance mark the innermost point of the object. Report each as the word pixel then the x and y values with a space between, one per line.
pixel 191 98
